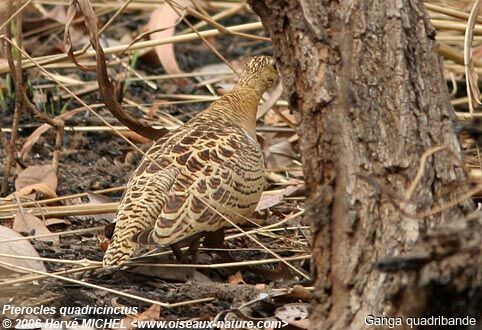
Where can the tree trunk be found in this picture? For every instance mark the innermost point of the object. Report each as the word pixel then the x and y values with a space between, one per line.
pixel 366 83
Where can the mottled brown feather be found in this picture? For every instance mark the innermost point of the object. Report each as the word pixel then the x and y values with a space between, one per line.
pixel 210 166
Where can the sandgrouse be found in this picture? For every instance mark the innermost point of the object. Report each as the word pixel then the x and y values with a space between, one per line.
pixel 209 168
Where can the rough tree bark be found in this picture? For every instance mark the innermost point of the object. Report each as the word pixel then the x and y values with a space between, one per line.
pixel 365 81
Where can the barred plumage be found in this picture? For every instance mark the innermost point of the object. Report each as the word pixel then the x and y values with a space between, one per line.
pixel 212 165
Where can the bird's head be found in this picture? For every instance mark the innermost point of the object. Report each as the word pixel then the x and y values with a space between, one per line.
pixel 259 73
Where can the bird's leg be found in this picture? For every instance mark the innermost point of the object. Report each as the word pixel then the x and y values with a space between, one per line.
pixel 193 243
pixel 180 256
pixel 193 249
pixel 215 240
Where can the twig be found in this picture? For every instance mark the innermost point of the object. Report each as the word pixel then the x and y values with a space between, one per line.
pixel 58 124
pixel 16 71
pixel 106 87
pixel 4 140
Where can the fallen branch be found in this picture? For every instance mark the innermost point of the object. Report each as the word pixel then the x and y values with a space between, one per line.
pixel 106 88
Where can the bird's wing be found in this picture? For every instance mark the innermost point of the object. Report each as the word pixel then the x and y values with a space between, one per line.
pixel 221 172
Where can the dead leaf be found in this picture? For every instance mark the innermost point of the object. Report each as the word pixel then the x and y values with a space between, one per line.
pixel 37 187
pixel 163 21
pixel 261 286
pixel 274 197
pixel 55 221
pixel 295 314
pixel 301 293
pixel 98 198
pixel 35 136
pixel 225 85
pixel 18 248
pixel 236 278
pixel 95 199
pixel 28 223
pixel 270 101
pixel 273 119
pixel 35 175
pixel 69 48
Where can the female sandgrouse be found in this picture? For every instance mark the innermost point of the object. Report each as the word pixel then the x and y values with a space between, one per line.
pixel 210 168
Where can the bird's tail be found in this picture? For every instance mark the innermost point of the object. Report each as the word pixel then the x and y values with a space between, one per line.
pixel 120 249
pixel 138 211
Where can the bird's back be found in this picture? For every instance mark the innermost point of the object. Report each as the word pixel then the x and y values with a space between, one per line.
pixel 199 174
pixel 204 171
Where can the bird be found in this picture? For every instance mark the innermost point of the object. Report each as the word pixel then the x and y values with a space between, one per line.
pixel 194 177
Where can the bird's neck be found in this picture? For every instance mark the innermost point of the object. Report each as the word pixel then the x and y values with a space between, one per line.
pixel 239 105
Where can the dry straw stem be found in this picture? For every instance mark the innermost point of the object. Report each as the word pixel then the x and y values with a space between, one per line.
pixel 30 278
pixel 98 287
pixel 418 177
pixel 471 77
pixel 44 60
pixel 266 228
pixel 224 264
pixel 421 170
pixel 63 211
pixel 448 11
pixel 466 115
pixel 15 206
pixel 441 24
pixel 60 233
pixel 49 29
pixel 135 5
pixel 8 211
pixel 83 262
pixel 459 69
pixel 222 14
pixel 461 199
pixel 452 53
pixel 221 73
pixel 12 16
pixel 222 30
pixel 98 264
pixel 457 39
